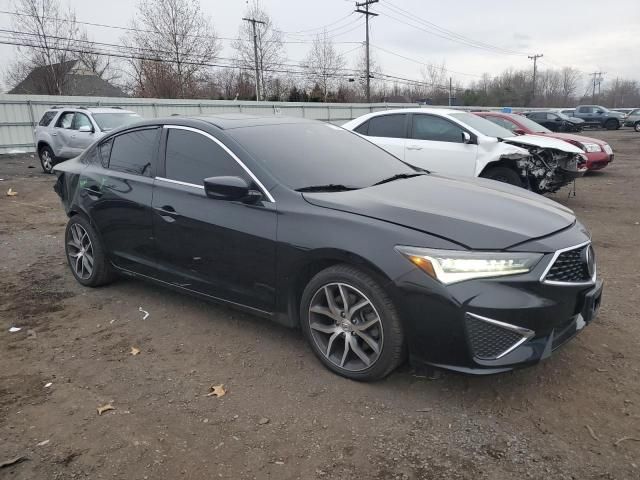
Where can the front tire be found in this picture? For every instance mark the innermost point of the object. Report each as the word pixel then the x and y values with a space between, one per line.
pixel 47 158
pixel 636 127
pixel 85 254
pixel 504 175
pixel 611 124
pixel 351 323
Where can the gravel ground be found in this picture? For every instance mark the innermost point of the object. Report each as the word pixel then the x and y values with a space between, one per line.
pixel 574 416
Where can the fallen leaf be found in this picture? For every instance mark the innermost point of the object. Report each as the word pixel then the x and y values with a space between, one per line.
pixel 105 408
pixel 11 193
pixel 134 351
pixel 43 443
pixel 48 385
pixel 217 391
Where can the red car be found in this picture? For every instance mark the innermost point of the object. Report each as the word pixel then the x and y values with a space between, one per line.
pixel 598 152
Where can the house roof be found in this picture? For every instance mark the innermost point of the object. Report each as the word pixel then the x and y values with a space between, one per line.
pixel 77 82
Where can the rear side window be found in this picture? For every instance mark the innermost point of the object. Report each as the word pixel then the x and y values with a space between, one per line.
pixel 192 157
pixel 133 152
pixel 362 129
pixel 391 126
pixel 585 109
pixel 104 150
pixel 429 127
pixel 46 118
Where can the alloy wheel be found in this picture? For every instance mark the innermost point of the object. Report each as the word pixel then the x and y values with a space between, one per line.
pixel 345 326
pixel 47 161
pixel 80 251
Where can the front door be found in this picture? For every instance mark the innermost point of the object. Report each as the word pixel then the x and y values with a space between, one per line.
pixel 438 145
pixel 118 196
pixel 61 135
pixel 389 131
pixel 224 249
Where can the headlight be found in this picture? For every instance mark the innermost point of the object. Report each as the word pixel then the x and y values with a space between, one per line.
pixel 591 147
pixel 452 266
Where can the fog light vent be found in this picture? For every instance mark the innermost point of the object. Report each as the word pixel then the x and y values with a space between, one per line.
pixel 491 339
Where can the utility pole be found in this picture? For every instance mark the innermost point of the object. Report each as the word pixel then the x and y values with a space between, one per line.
pixel 255 53
pixel 367 14
pixel 597 78
pixel 450 93
pixel 535 70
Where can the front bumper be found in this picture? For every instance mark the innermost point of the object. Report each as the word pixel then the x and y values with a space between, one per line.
pixel 492 325
pixel 598 160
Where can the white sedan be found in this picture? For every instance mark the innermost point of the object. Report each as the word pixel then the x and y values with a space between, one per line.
pixel 458 143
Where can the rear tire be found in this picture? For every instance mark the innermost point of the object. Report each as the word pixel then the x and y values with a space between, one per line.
pixel 47 158
pixel 611 124
pixel 636 127
pixel 504 175
pixel 351 324
pixel 86 254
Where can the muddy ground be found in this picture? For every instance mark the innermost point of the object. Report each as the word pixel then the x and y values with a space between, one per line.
pixel 574 416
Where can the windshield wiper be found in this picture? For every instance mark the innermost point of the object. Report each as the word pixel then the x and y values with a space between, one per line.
pixel 399 176
pixel 331 187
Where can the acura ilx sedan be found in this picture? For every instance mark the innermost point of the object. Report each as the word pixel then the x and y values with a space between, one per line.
pixel 315 227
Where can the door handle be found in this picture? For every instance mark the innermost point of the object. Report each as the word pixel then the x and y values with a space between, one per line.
pixel 93 191
pixel 166 213
pixel 54 134
pixel 414 147
pixel 167 209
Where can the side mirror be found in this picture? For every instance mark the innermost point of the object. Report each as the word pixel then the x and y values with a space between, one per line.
pixel 599 112
pixel 558 119
pixel 230 189
pixel 85 128
pixel 519 131
pixel 466 138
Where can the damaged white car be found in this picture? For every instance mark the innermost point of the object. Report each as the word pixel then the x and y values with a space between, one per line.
pixel 460 143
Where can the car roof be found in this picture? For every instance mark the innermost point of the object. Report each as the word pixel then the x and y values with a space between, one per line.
pixel 90 109
pixel 225 121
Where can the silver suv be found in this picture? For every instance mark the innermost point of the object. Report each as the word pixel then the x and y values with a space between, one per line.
pixel 64 132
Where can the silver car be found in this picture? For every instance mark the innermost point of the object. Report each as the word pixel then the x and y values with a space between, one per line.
pixel 64 132
pixel 633 119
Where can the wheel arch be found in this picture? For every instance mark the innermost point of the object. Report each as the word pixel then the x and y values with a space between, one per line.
pixel 313 263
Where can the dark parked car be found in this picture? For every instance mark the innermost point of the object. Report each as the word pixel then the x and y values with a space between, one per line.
pixel 556 121
pixel 312 226
pixel 598 116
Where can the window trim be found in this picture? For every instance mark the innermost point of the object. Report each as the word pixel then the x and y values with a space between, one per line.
pixel 154 160
pixel 262 188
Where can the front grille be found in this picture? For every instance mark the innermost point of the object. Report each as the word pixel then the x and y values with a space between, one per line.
pixel 572 266
pixel 489 341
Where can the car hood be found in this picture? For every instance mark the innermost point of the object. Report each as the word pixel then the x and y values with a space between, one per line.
pixel 474 213
pixel 577 138
pixel 543 142
pixel 574 120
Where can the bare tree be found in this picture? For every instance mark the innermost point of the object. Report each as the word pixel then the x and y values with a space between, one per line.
pixel 324 64
pixel 49 36
pixel 435 76
pixel 269 44
pixel 176 42
pixel 570 83
pixel 374 71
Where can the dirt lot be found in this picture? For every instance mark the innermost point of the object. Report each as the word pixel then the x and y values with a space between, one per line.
pixel 574 416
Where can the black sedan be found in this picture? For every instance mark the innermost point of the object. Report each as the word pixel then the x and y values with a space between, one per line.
pixel 314 227
pixel 556 121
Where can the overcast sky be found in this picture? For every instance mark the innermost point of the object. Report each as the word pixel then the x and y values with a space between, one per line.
pixel 590 35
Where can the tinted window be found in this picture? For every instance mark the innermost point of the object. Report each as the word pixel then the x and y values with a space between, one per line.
pixel 585 109
pixel 551 116
pixel 502 122
pixel 133 152
pixel 392 126
pixel 46 118
pixel 362 129
pixel 537 116
pixel 428 127
pixel 104 151
pixel 531 125
pixel 309 154
pixel 192 157
pixel 81 120
pixel 65 120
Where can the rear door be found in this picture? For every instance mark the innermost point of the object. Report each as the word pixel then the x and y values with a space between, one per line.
pixel 388 131
pixel 61 135
pixel 224 249
pixel 118 193
pixel 437 144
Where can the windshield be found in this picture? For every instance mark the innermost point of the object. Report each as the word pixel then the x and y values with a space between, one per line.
pixel 531 125
pixel 109 121
pixel 485 127
pixel 303 155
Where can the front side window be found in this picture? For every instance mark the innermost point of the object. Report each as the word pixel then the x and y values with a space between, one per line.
pixel 551 116
pixel 192 157
pixel 81 120
pixel 46 118
pixel 390 126
pixel 65 120
pixel 429 127
pixel 586 109
pixel 133 152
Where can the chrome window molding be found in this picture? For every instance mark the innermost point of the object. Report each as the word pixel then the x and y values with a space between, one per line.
pixel 553 260
pixel 525 332
pixel 262 188
pixel 178 182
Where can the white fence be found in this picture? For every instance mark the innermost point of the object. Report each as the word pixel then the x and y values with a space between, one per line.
pixel 20 113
